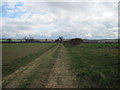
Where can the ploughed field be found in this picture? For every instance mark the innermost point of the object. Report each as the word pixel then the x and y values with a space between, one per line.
pixel 51 65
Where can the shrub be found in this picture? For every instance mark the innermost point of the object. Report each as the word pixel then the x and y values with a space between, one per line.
pixel 74 41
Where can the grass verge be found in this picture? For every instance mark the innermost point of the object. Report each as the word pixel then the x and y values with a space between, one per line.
pixel 95 65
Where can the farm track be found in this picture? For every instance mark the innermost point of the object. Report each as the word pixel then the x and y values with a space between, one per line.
pixel 19 76
pixel 61 75
pixel 57 75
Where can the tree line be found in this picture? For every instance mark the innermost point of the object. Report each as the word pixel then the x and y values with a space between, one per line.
pixel 74 41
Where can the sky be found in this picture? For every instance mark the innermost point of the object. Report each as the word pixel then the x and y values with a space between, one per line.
pixel 41 20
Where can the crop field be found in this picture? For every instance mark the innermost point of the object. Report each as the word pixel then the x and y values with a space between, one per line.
pixel 16 54
pixel 51 65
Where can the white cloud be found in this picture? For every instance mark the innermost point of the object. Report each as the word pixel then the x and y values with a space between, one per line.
pixel 88 35
pixel 85 20
pixel 61 0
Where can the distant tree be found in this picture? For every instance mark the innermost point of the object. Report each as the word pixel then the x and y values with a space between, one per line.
pixel 29 39
pixel 25 39
pixel 9 40
pixel 46 40
pixel 59 40
pixel 74 41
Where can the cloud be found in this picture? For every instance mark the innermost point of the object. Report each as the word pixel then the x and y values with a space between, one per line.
pixel 92 20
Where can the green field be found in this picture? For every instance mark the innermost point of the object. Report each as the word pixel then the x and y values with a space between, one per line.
pixel 95 64
pixel 40 65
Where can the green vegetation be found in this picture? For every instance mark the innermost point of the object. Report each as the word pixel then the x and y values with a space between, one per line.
pixel 95 64
pixel 28 52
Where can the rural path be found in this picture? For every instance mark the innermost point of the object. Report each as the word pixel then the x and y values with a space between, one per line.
pixel 61 75
pixel 50 70
pixel 19 76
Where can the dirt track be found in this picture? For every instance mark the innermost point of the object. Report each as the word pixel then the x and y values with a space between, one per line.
pixel 60 76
